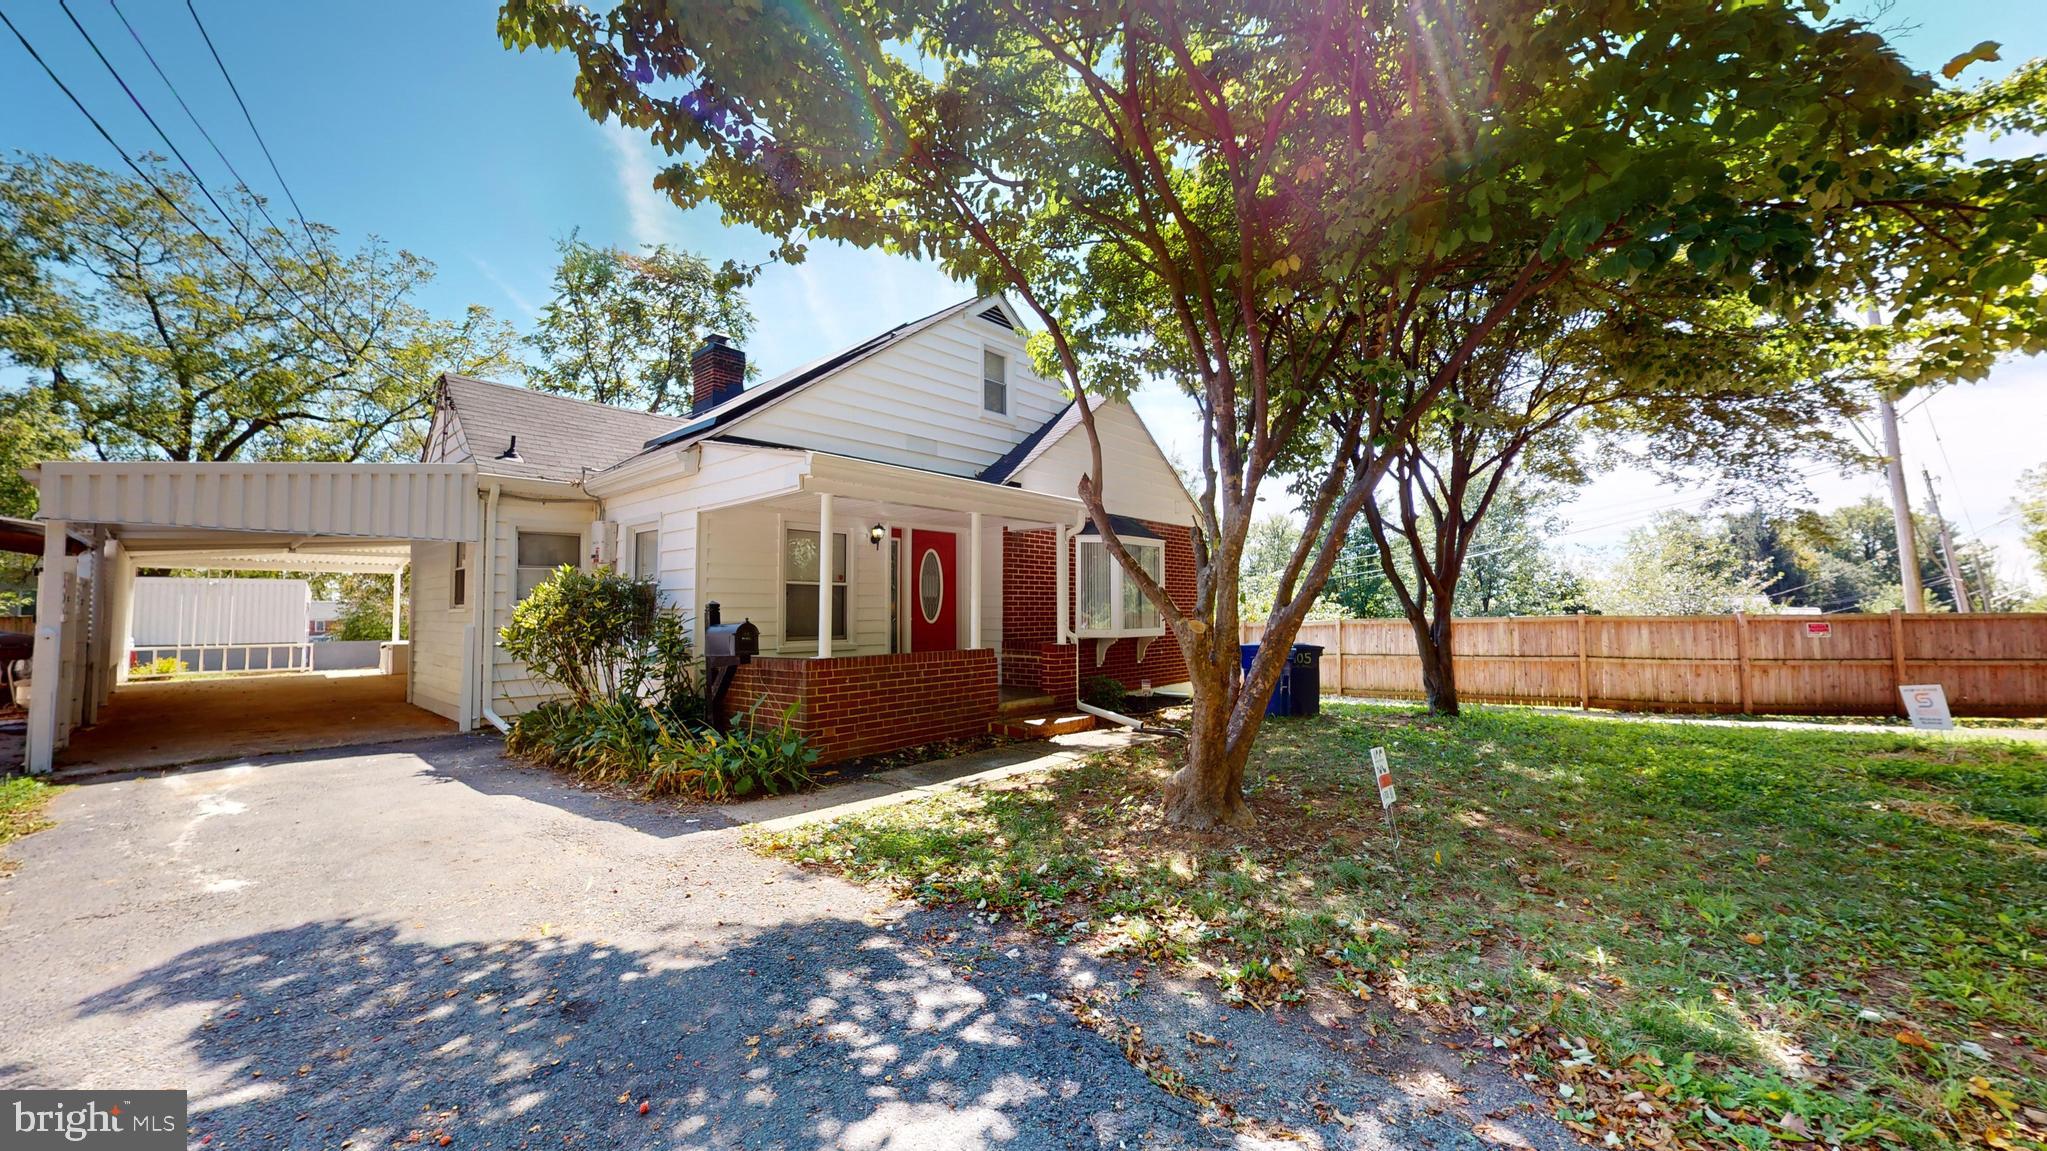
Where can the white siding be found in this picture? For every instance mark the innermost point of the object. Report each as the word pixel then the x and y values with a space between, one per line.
pixel 1137 479
pixel 437 656
pixel 516 690
pixel 917 404
pixel 389 501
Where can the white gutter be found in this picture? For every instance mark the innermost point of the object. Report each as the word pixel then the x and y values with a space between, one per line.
pixel 486 606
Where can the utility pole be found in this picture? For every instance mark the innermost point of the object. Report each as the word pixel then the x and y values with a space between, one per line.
pixel 1947 547
pixel 1901 505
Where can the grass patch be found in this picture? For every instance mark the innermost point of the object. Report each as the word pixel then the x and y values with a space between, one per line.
pixel 1704 935
pixel 22 799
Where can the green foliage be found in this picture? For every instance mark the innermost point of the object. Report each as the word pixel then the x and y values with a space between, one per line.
pixel 621 327
pixel 1678 565
pixel 365 606
pixel 1104 691
pixel 1683 903
pixel 160 666
pixel 152 344
pixel 2031 506
pixel 604 637
pixel 22 800
pixel 624 742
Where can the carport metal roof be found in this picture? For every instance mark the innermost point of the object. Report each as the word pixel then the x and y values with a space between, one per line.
pixel 213 507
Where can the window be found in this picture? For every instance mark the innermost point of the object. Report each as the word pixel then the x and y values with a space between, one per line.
pixel 994 381
pixel 647 554
pixel 458 579
pixel 1108 603
pixel 542 552
pixel 799 584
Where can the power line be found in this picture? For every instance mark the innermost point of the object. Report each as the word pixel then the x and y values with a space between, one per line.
pixel 194 118
pixel 251 121
pixel 171 202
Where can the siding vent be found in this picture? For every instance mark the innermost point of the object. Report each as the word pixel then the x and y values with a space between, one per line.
pixel 995 315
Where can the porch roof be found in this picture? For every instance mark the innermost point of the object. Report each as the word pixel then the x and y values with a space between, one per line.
pixel 890 483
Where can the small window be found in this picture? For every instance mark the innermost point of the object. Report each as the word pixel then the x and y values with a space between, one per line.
pixel 542 552
pixel 994 381
pixel 647 554
pixel 458 578
pixel 799 584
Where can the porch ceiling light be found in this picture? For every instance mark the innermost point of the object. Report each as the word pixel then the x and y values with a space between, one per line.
pixel 876 534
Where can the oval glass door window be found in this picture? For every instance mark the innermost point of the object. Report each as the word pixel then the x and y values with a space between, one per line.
pixel 930 585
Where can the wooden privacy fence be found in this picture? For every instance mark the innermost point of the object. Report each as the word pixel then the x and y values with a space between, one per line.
pixel 1990 665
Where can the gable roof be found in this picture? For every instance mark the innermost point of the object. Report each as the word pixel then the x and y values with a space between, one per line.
pixel 560 437
pixel 762 395
pixel 1031 446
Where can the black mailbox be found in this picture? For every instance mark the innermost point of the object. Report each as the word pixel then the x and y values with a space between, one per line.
pixel 735 641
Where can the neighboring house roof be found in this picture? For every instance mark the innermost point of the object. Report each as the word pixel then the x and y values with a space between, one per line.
pixel 761 395
pixel 559 437
pixel 1031 446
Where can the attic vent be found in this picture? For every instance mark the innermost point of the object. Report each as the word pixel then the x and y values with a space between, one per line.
pixel 995 315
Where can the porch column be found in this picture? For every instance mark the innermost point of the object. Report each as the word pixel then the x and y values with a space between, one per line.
pixel 974 579
pixel 824 575
pixel 1063 633
pixel 397 605
pixel 45 688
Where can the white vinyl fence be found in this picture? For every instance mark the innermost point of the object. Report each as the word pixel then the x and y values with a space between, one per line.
pixel 220 625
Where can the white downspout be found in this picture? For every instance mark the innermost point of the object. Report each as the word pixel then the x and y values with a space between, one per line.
pixel 487 608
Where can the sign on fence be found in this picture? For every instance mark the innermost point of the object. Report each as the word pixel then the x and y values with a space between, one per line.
pixel 1819 630
pixel 1926 703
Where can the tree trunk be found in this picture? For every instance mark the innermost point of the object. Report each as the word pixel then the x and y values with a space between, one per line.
pixel 1207 793
pixel 1439 669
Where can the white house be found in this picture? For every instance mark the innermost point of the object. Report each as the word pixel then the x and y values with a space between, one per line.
pixel 939 467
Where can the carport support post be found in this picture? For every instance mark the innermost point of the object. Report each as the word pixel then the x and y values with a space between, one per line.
pixel 397 605
pixel 45 690
pixel 827 559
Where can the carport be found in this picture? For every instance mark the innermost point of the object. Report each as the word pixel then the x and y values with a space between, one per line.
pixel 215 516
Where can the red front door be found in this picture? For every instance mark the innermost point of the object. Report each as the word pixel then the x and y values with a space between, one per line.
pixel 934 620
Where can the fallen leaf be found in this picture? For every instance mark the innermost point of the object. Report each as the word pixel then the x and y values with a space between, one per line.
pixel 1911 1038
pixel 1983 1089
pixel 1752 939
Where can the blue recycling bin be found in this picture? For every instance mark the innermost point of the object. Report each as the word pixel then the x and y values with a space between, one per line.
pixel 1282 701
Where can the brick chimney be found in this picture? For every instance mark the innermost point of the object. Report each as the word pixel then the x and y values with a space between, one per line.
pixel 717 372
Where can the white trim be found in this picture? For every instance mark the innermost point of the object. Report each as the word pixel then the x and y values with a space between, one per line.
pixel 1115 590
pixel 783 526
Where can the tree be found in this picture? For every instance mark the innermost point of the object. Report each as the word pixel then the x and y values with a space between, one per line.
pixel 1271 540
pixel 1702 375
pixel 1511 569
pixel 155 343
pixel 1678 565
pixel 2031 506
pixel 621 327
pixel 1254 199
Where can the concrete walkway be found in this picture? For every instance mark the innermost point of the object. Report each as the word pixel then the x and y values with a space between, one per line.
pixel 427 945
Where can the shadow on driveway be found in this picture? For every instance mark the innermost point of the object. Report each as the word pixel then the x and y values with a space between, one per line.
pixel 831 1034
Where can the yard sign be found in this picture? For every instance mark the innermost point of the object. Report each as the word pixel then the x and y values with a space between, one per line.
pixel 1926 703
pixel 1385 776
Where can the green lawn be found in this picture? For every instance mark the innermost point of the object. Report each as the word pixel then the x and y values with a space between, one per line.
pixel 1688 935
pixel 21 810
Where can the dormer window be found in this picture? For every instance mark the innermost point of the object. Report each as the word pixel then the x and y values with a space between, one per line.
pixel 994 382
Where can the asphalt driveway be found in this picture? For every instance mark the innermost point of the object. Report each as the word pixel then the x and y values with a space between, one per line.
pixel 425 945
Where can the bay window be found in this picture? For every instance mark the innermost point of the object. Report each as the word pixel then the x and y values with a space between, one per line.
pixel 1106 602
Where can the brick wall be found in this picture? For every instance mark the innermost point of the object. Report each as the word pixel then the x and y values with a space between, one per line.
pixel 866 705
pixel 1030 593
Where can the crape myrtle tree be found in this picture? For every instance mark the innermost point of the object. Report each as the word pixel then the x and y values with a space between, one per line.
pixel 1255 199
pixel 1701 378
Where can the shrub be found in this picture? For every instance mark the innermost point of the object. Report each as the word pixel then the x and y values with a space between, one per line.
pixel 1102 691
pixel 631 744
pixel 604 637
pixel 161 665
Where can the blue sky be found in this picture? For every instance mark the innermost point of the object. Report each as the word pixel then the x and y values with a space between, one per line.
pixel 410 121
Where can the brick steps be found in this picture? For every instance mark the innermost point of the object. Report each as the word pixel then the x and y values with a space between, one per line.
pixel 1042 726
